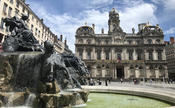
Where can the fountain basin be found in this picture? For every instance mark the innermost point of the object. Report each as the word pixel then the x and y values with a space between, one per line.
pixel 109 100
pixel 164 95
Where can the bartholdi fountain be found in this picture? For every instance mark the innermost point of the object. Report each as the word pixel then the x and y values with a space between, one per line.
pixel 37 77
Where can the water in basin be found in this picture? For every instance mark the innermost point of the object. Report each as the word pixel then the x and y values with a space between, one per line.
pixel 104 100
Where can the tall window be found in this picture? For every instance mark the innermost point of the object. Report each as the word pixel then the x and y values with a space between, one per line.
pixel 130 55
pixel 159 55
pixel 11 1
pixel 81 54
pixel 149 41
pixel 16 12
pixel 119 56
pixel 23 9
pixel 10 11
pixel 5 8
pixel 139 56
pixel 32 27
pixel 17 4
pixel 107 55
pixel 99 55
pixel 89 55
pixel 2 24
pixel 150 55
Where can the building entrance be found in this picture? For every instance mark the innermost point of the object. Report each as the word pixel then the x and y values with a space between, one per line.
pixel 120 72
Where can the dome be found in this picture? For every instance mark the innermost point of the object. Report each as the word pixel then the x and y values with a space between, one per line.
pixel 85 30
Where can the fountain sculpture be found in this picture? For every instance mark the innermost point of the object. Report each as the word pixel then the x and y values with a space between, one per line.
pixel 33 76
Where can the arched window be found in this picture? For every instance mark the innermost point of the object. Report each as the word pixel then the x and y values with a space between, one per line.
pixel 98 55
pixel 158 41
pixel 80 41
pixel 98 42
pixel 129 42
pixel 150 41
pixel 88 41
pixel 107 55
pixel 89 54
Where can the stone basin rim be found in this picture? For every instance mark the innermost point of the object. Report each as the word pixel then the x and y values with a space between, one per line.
pixel 154 94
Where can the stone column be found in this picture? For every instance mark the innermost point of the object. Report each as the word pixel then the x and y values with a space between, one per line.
pixel 155 55
pixel 113 54
pixel 84 53
pixel 157 72
pixel 103 72
pixel 126 72
pixel 147 72
pixel 103 54
pixel 94 54
pixel 134 55
pixel 94 70
pixel 123 54
pixel 137 73
pixel 163 54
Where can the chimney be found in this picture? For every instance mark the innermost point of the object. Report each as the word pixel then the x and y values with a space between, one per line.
pixel 65 42
pixel 61 38
pixel 171 40
pixel 93 26
pixel 102 30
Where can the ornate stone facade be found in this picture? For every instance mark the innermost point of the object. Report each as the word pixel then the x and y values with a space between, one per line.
pixel 170 56
pixel 123 55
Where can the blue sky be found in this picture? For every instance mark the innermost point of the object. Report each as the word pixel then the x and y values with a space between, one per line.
pixel 65 16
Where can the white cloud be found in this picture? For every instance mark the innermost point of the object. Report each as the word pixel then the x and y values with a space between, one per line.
pixel 170 31
pixel 67 25
pixel 100 2
pixel 169 4
pixel 143 13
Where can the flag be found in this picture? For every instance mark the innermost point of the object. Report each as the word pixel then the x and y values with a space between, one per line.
pixel 118 59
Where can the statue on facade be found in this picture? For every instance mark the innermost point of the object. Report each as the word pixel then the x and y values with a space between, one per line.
pixel 133 30
pixel 21 38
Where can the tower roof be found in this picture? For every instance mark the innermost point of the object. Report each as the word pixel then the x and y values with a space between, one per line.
pixel 113 11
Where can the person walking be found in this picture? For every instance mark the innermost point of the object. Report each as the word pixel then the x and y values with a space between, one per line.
pixel 121 80
pixel 106 82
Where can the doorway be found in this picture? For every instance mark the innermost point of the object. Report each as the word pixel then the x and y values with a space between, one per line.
pixel 120 72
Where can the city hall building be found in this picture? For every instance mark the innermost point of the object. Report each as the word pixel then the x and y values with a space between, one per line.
pixel 123 55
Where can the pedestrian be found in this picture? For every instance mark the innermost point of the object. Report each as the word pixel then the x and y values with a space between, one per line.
pixel 121 80
pixel 99 81
pixel 106 82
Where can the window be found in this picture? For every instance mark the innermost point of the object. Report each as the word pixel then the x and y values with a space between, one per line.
pixel 139 56
pixel 158 41
pixel 32 18
pixel 89 55
pixel 119 56
pixel 16 12
pixel 10 11
pixel 130 56
pixel 32 27
pixel 17 4
pixel 98 55
pixel 2 24
pixel 81 54
pixel 129 42
pixel 23 9
pixel 5 8
pixel 36 30
pixel 11 1
pixel 150 56
pixel 149 41
pixel 107 55
pixel 159 55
